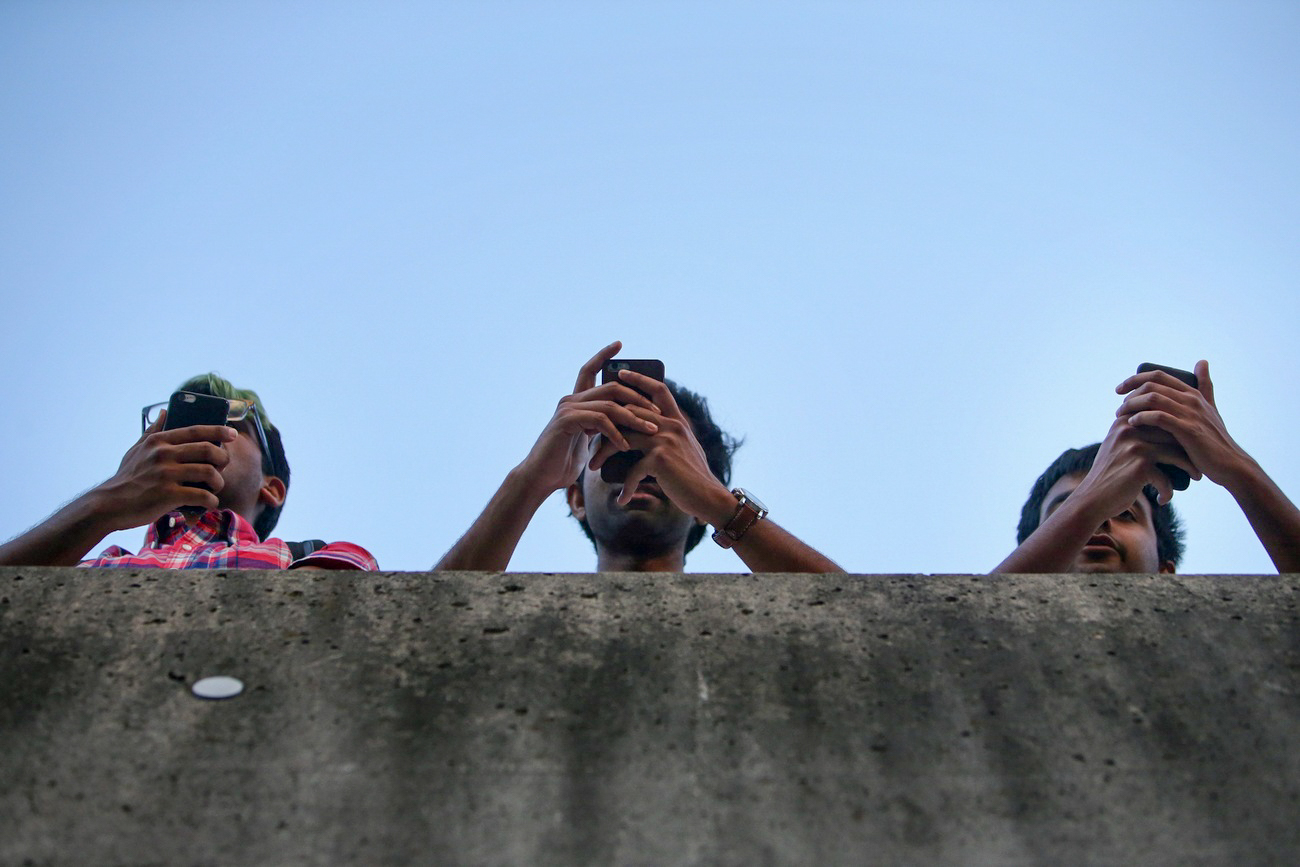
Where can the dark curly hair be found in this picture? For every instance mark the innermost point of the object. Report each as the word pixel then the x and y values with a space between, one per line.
pixel 1169 530
pixel 718 445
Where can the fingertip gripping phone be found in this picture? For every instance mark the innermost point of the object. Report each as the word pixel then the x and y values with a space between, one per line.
pixel 1177 476
pixel 615 469
pixel 185 409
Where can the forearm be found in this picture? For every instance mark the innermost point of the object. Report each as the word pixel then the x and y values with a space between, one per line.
pixel 768 547
pixel 490 542
pixel 1273 517
pixel 63 539
pixel 1056 543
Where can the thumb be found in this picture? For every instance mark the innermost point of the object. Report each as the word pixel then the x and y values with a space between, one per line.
pixel 1203 381
pixel 157 424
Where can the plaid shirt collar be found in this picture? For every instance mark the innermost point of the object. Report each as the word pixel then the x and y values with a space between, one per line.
pixel 223 540
pixel 207 528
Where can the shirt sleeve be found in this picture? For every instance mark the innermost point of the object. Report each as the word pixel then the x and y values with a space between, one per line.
pixel 112 552
pixel 338 555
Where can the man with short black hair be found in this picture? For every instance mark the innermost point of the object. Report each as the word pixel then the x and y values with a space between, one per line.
pixel 210 495
pixel 651 520
pixel 1105 507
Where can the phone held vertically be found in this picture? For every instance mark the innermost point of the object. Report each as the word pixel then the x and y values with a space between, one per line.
pixel 185 409
pixel 1184 375
pixel 1177 476
pixel 616 467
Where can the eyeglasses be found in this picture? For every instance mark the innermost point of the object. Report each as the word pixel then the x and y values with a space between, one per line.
pixel 236 411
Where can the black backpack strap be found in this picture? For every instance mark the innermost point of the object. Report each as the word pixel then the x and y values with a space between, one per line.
pixel 298 550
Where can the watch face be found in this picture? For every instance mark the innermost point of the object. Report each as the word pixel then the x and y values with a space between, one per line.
pixel 752 500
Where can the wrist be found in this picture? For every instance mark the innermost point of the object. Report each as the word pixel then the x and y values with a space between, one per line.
pixel 1240 473
pixel 527 485
pixel 96 512
pixel 1249 485
pixel 719 506
pixel 749 511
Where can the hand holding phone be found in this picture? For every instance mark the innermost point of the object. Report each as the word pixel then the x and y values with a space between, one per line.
pixel 187 408
pixel 615 468
pixel 1177 476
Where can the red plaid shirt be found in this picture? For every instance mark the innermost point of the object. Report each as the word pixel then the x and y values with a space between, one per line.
pixel 224 540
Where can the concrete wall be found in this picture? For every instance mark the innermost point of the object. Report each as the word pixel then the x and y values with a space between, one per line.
pixel 626 719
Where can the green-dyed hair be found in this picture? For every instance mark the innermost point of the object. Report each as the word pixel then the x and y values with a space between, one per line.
pixel 274 464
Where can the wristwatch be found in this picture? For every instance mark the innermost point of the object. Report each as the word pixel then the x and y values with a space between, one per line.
pixel 749 511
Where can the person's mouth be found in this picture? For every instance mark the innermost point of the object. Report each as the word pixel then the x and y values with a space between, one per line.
pixel 1101 540
pixel 648 485
pixel 647 491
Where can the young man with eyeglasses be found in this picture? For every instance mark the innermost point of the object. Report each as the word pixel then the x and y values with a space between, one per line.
pixel 210 495
pixel 652 520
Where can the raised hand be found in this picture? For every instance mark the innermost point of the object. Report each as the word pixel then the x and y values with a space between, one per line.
pixel 563 447
pixel 672 455
pixel 160 473
pixel 1161 403
pixel 156 475
pixel 1187 415
pixel 553 463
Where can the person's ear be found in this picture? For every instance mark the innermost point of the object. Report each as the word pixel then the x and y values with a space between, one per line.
pixel 272 492
pixel 1167 567
pixel 577 505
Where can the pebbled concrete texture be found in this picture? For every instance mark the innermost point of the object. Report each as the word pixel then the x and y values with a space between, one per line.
pixel 480 718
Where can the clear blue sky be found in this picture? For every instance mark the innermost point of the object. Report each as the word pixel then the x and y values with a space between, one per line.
pixel 906 250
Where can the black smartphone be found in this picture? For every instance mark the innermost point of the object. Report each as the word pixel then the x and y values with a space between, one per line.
pixel 1185 375
pixel 614 470
pixel 1177 476
pixel 186 409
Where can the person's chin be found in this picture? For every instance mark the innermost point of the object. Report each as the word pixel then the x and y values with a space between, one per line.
pixel 1099 560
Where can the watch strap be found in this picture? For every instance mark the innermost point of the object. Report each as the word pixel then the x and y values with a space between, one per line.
pixel 746 516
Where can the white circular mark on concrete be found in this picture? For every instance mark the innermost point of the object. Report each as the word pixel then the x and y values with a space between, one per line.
pixel 218 687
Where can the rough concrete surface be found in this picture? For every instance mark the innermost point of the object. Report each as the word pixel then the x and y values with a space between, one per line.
pixel 481 718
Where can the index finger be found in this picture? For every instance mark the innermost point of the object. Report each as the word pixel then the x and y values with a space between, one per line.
pixel 619 393
pixel 198 433
pixel 1157 376
pixel 587 375
pixel 656 389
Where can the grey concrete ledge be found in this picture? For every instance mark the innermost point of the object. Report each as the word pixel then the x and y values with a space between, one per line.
pixel 480 718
